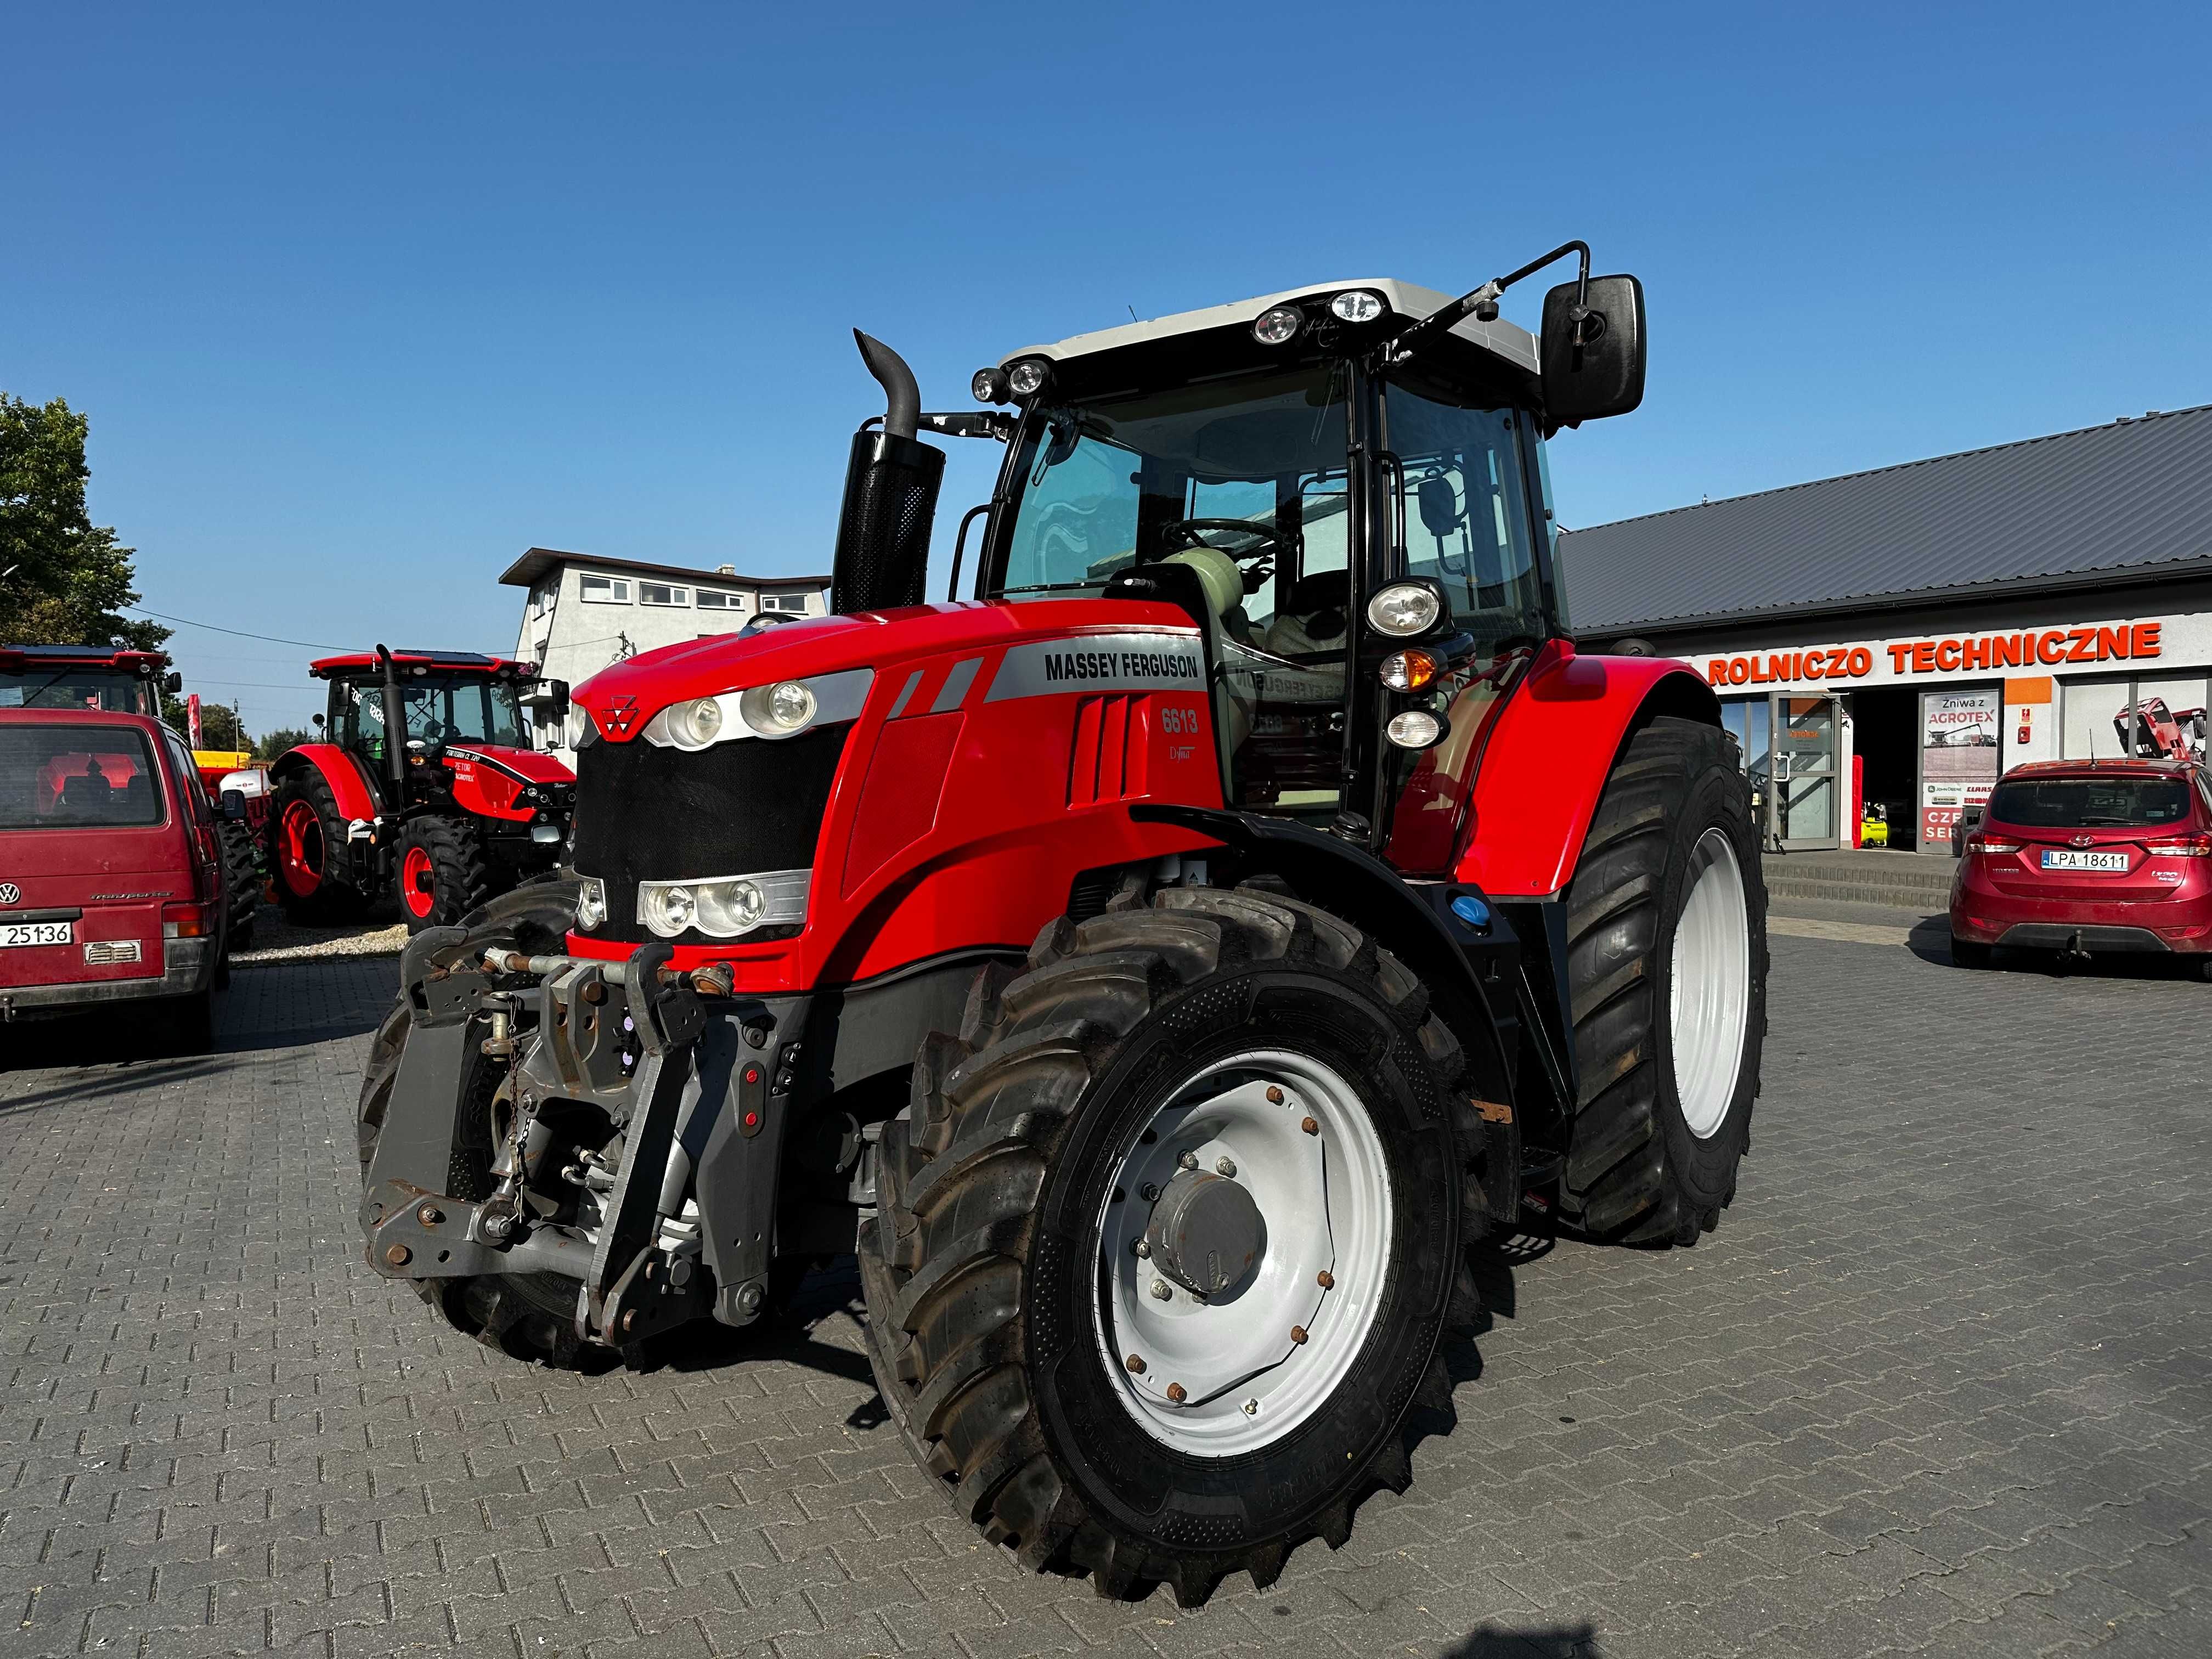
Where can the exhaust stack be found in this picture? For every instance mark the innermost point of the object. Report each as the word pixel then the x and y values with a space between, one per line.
pixel 891 497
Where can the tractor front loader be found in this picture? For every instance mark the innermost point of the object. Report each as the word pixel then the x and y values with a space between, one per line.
pixel 1161 966
pixel 454 809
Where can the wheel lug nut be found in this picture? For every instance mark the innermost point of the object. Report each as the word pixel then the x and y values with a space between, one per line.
pixel 1310 1126
pixel 1224 1166
pixel 1148 1192
pixel 1274 1098
pixel 1251 1408
pixel 1325 1280
pixel 1135 1362
pixel 1188 1160
pixel 1160 1290
pixel 1140 1247
pixel 1298 1333
pixel 1176 1393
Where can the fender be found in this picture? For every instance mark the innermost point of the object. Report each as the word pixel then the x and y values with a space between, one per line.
pixel 351 787
pixel 1537 785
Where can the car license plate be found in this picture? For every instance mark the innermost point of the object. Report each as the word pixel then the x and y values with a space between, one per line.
pixel 34 933
pixel 2058 859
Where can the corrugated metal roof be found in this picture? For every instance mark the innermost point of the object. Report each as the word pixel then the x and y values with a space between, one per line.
pixel 2051 511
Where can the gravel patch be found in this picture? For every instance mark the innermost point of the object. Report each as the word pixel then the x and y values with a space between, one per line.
pixel 278 939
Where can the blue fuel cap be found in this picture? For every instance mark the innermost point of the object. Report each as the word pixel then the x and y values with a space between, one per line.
pixel 1471 911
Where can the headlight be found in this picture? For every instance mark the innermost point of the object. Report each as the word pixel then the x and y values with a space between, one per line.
pixel 1404 609
pixel 989 387
pixel 1416 728
pixel 1278 325
pixel 1358 305
pixel 696 724
pixel 591 905
pixel 778 710
pixel 724 907
pixel 580 723
pixel 1026 378
pixel 1409 670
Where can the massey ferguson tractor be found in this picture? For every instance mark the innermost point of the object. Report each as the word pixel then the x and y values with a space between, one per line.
pixel 1161 966
pixel 456 810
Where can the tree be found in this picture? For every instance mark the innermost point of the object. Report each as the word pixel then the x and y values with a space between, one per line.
pixel 218 725
pixel 62 579
pixel 273 744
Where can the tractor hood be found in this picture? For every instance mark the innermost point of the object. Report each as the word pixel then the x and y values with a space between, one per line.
pixel 622 699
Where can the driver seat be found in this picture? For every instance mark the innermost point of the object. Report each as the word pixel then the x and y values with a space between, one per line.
pixel 1224 584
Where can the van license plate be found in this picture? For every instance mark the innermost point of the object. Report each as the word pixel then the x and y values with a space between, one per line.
pixel 2055 859
pixel 34 933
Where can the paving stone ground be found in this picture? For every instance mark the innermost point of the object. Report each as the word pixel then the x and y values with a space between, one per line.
pixel 1938 1383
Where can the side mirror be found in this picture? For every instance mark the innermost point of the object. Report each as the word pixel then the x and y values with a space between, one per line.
pixel 173 682
pixel 1440 514
pixel 1592 355
pixel 233 805
pixel 556 698
pixel 315 719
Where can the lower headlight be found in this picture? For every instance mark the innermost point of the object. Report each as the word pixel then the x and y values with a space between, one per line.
pixel 1416 728
pixel 591 904
pixel 723 907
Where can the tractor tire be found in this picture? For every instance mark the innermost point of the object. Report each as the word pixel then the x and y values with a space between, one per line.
pixel 1000 1270
pixel 529 1316
pixel 316 875
pixel 1666 981
pixel 241 882
pixel 443 874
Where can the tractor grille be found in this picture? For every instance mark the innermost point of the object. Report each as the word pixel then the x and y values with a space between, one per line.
pixel 646 813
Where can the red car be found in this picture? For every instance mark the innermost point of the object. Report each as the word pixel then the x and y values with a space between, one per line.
pixel 2092 856
pixel 111 871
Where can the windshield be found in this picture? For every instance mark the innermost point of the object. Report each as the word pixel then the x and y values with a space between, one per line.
pixel 79 688
pixel 440 709
pixel 2088 803
pixel 75 777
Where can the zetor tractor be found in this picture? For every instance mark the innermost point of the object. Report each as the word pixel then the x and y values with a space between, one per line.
pixel 124 681
pixel 457 811
pixel 1161 969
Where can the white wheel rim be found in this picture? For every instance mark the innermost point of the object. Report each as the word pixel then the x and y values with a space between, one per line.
pixel 1325 1198
pixel 1709 995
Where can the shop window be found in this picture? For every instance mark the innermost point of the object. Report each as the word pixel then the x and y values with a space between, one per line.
pixel 662 593
pixel 604 590
pixel 2162 717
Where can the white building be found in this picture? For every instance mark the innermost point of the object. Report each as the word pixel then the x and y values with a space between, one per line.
pixel 584 612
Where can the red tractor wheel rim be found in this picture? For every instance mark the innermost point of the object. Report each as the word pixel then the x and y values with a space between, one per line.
pixel 300 848
pixel 418 882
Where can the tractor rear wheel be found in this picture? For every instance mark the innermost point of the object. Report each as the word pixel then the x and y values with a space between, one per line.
pixel 1666 977
pixel 241 881
pixel 310 855
pixel 525 1315
pixel 442 873
pixel 1169 1239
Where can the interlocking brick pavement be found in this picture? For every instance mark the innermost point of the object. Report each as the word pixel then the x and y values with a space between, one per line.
pixel 1939 1383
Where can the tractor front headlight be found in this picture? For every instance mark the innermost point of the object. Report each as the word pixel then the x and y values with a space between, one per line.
pixel 696 724
pixel 782 709
pixel 591 905
pixel 724 907
pixel 779 710
pixel 1406 609
pixel 1416 728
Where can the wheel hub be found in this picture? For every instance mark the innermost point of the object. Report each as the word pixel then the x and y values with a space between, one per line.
pixel 1207 1234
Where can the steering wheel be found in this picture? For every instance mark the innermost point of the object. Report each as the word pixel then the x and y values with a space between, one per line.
pixel 1259 561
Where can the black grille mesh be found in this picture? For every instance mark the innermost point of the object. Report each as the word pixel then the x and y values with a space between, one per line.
pixel 646 813
pixel 883 531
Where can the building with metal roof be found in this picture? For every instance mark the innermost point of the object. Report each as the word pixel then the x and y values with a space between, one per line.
pixel 1887 643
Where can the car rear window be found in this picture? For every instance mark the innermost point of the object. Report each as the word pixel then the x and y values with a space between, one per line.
pixel 76 777
pixel 2088 803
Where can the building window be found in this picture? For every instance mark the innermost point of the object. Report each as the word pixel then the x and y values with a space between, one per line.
pixel 662 593
pixel 711 600
pixel 786 602
pixel 542 595
pixel 604 590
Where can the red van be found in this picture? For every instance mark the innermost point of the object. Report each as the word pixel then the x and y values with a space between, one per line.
pixel 111 871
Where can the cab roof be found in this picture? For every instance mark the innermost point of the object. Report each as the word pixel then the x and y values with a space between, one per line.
pixel 355 662
pixel 1407 300
pixel 23 659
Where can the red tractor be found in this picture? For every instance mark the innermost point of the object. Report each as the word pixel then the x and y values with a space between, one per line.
pixel 458 810
pixel 1162 968
pixel 119 680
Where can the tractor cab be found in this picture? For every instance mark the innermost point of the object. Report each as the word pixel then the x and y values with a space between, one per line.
pixel 96 676
pixel 446 699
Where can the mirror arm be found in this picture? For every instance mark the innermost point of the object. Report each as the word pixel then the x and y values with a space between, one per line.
pixel 1482 302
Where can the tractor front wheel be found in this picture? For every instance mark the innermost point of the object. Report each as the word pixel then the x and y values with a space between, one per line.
pixel 1169 1239
pixel 241 882
pixel 1667 975
pixel 442 873
pixel 309 853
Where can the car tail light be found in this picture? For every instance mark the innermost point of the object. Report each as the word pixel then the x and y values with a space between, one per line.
pixel 1990 844
pixel 186 921
pixel 2198 845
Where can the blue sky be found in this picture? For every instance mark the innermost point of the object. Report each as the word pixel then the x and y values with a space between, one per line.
pixel 364 302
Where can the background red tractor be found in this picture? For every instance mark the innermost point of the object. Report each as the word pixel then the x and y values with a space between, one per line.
pixel 459 809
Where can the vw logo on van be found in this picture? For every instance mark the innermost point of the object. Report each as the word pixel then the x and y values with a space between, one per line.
pixel 9 892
